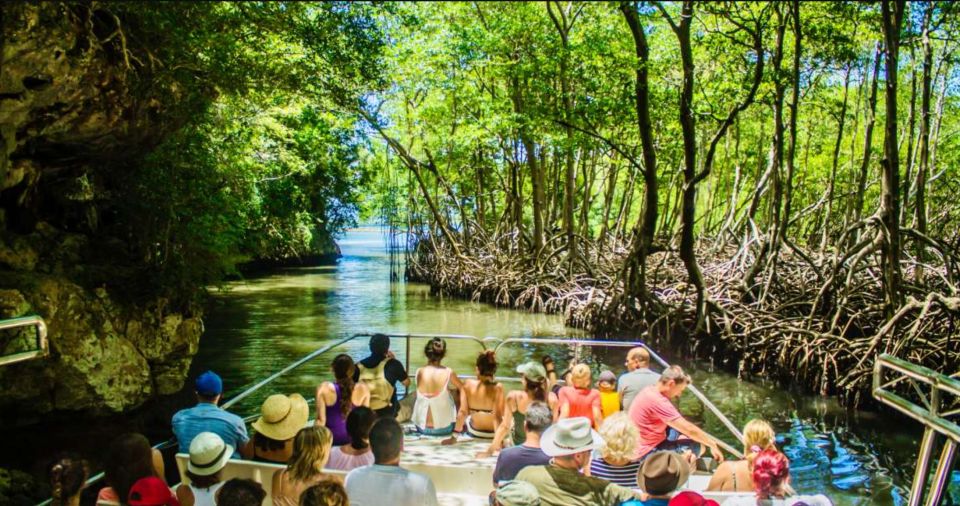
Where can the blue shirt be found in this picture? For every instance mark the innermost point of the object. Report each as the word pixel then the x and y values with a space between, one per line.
pixel 648 502
pixel 205 417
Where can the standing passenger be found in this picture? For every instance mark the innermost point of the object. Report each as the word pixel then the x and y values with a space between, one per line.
pixel 335 400
pixel 435 413
pixel 638 377
pixel 579 399
pixel 207 417
pixel 385 482
pixel 381 372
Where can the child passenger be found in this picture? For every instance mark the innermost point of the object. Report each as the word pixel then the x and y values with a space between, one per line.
pixel 609 398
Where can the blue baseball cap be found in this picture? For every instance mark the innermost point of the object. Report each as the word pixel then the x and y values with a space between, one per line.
pixel 209 384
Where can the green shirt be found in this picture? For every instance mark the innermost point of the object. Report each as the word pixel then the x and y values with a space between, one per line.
pixel 563 487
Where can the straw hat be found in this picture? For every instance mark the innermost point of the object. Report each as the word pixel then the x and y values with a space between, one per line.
pixel 208 454
pixel 662 473
pixel 569 436
pixel 281 416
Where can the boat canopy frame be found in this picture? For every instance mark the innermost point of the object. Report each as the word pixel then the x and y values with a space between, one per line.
pixel 42 348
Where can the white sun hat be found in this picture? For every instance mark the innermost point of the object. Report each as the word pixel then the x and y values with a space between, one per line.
pixel 208 454
pixel 569 436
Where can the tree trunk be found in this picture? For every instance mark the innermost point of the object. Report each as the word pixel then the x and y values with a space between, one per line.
pixel 831 184
pixel 890 180
pixel 867 137
pixel 794 105
pixel 923 146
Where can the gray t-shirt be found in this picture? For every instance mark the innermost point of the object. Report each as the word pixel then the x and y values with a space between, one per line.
pixel 631 383
pixel 377 485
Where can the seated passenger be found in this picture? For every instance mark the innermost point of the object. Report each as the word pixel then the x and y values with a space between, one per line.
pixel 335 400
pixel 281 417
pixel 534 381
pixel 151 491
pixel 129 458
pixel 481 401
pixel 357 453
pixel 311 450
pixel 737 475
pixel 241 492
pixel 434 412
pixel 325 493
pixel 515 458
pixel 207 417
pixel 579 400
pixel 381 372
pixel 616 462
pixel 653 412
pixel 208 455
pixel 560 483
pixel 385 482
pixel 771 480
pixel 661 474
pixel 517 493
pixel 638 377
pixel 609 398
pixel 68 475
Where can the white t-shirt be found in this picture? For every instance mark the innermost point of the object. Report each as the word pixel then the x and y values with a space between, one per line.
pixel 377 485
pixel 810 500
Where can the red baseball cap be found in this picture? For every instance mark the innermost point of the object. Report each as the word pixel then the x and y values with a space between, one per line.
pixel 151 491
pixel 691 499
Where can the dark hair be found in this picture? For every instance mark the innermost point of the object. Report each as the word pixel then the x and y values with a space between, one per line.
pixel 206 481
pixel 67 476
pixel 538 417
pixel 386 439
pixel 326 492
pixel 379 344
pixel 343 373
pixel 241 492
pixel 435 349
pixel 359 423
pixel 487 363
pixel 536 389
pixel 129 458
pixel 267 444
pixel 770 470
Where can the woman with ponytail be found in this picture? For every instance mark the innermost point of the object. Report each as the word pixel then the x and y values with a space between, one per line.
pixel 67 478
pixel 771 482
pixel 481 401
pixel 737 475
pixel 335 400
pixel 434 412
pixel 533 376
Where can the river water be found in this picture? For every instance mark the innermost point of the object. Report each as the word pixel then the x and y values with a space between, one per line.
pixel 256 327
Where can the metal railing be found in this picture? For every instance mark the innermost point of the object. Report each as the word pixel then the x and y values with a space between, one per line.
pixel 42 348
pixel 932 390
pixel 484 343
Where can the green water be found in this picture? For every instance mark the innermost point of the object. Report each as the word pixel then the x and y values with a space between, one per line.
pixel 258 326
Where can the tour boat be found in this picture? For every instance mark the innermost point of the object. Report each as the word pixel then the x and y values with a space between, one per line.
pixel 462 479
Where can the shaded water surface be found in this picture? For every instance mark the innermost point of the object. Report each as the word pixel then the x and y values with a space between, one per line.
pixel 256 327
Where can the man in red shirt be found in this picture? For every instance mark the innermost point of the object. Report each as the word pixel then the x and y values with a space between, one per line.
pixel 652 412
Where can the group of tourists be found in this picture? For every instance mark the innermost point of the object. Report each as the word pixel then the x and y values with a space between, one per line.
pixel 622 443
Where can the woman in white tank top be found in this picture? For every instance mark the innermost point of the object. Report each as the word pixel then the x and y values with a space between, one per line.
pixel 434 412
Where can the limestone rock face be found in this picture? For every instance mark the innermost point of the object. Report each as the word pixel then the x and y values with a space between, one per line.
pixel 102 359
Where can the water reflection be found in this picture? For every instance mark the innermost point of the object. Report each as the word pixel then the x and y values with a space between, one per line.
pixel 257 326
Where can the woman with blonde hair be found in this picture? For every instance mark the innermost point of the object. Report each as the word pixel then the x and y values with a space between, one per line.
pixel 579 399
pixel 737 475
pixel 311 450
pixel 616 463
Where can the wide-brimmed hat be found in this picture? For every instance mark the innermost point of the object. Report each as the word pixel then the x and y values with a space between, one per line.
pixel 662 473
pixel 532 371
pixel 518 493
pixel 151 491
pixel 569 436
pixel 281 416
pixel 208 454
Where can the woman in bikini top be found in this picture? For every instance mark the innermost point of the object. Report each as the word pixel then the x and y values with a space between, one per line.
pixel 481 401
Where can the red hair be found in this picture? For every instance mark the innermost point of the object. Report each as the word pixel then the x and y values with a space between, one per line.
pixel 770 472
